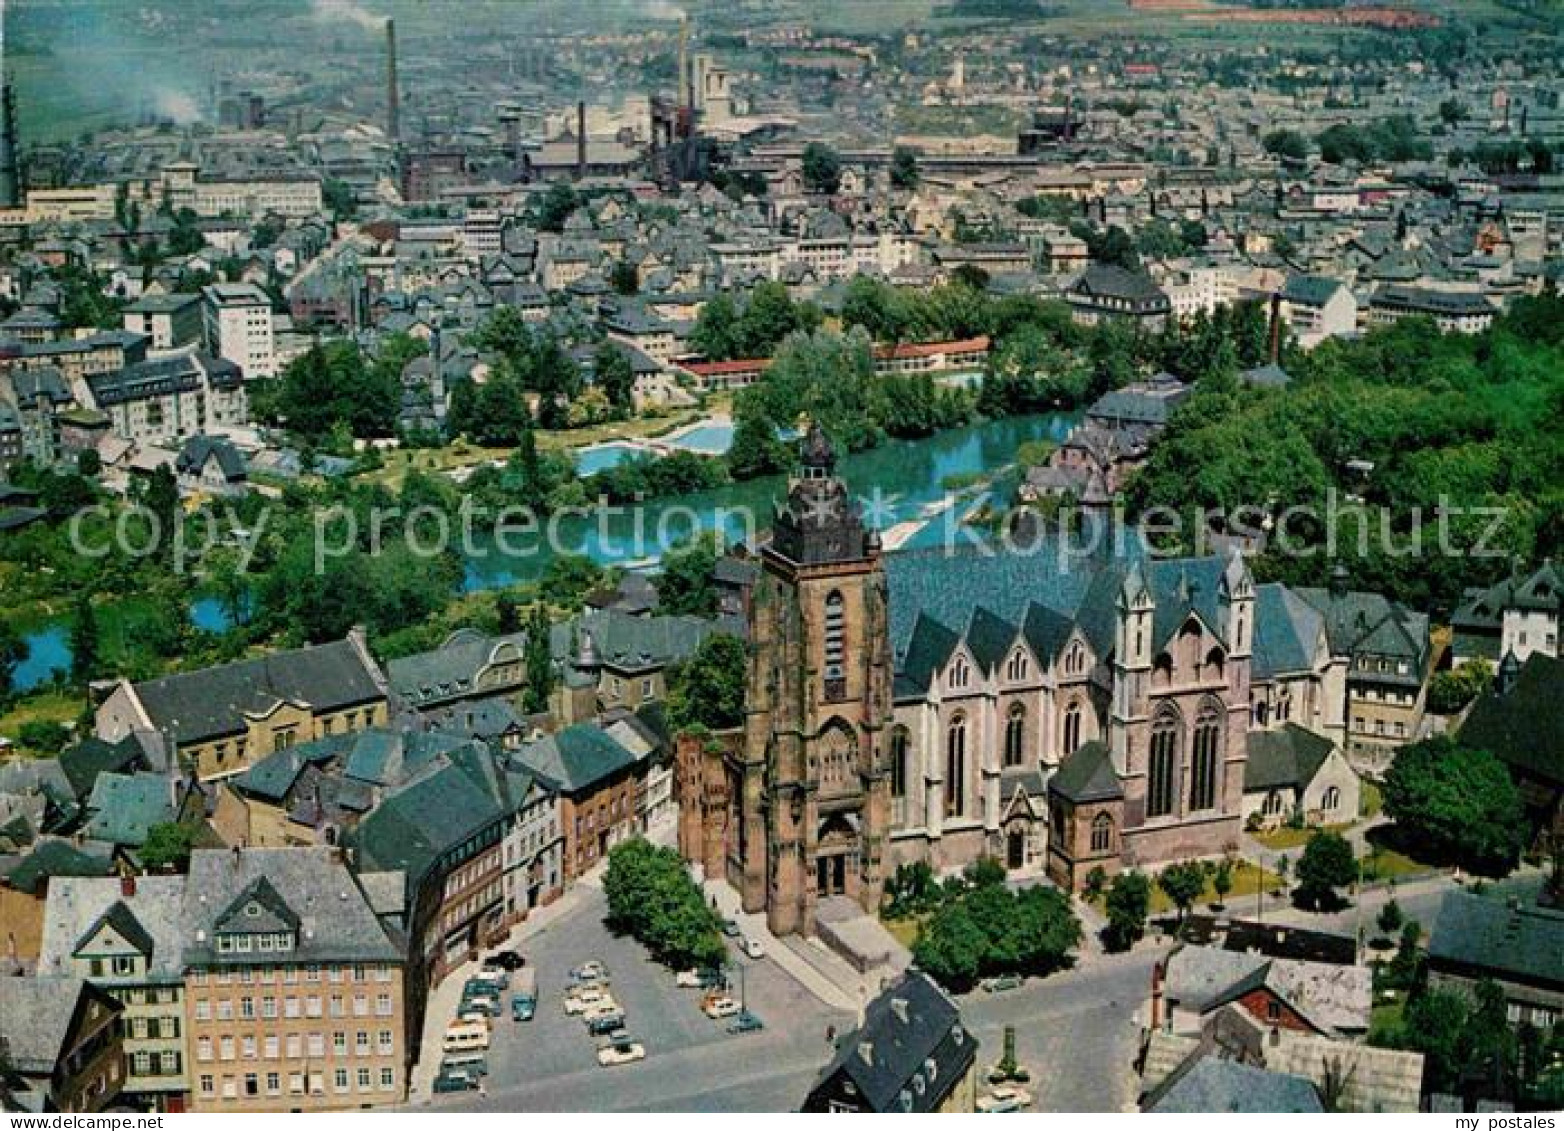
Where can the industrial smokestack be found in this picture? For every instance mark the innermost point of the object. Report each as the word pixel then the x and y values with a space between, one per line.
pixel 581 140
pixel 10 175
pixel 393 107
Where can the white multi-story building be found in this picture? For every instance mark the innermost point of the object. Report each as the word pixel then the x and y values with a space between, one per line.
pixel 239 327
pixel 170 398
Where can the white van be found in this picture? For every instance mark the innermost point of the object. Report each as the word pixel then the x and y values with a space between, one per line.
pixel 465 1036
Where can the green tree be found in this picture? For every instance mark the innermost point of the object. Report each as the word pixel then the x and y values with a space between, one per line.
pixel 822 168
pixel 1127 905
pixel 339 199
pixel 13 651
pixel 86 644
pixel 685 585
pixel 614 374
pixel 904 168
pixel 1327 863
pixel 507 612
pixel 652 898
pixel 716 332
pixel 568 580
pixel 951 946
pixel 1457 802
pixel 756 449
pixel 537 659
pixel 1449 692
pixel 43 736
pixel 1182 883
pixel 708 689
pixel 624 278
pixel 558 202
pixel 1390 918
pixel 1222 881
pixel 168 846
pixel 1287 143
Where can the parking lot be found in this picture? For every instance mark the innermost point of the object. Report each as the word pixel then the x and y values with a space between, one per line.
pixel 692 1062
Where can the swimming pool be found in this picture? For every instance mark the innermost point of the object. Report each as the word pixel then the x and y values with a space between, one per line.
pixel 601 457
pixel 711 438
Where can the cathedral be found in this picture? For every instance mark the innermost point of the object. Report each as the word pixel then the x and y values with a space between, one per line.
pixel 1055 708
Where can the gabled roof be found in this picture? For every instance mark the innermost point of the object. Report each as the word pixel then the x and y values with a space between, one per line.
pixel 36 1019
pixel 577 758
pixel 1485 936
pixel 1087 775
pixel 52 857
pixel 257 909
pixel 1287 757
pixel 1524 727
pixel 122 922
pixel 125 807
pixel 1213 1085
pixel 147 916
pixel 910 1050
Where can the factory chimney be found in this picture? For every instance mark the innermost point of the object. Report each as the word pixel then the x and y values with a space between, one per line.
pixel 581 140
pixel 393 108
pixel 10 175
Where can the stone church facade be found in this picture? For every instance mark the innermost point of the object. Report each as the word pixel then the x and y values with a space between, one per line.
pixel 1053 708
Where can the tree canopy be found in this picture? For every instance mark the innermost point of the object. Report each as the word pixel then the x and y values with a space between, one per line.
pixel 1456 802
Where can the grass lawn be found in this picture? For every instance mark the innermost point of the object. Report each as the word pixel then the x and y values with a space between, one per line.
pixel 1247 878
pixel 904 931
pixel 1388 864
pixel 44 707
pixel 1371 802
pixel 1284 838
pixel 1385 1019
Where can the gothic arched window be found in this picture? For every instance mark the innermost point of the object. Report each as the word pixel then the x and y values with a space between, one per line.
pixel 1018 665
pixel 1208 740
pixel 1072 729
pixel 956 767
pixel 1015 736
pixel 899 762
pixel 1102 833
pixel 1162 777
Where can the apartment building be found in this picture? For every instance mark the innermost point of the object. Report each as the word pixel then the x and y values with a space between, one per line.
pixel 293 985
pixel 169 321
pixel 169 398
pixel 239 327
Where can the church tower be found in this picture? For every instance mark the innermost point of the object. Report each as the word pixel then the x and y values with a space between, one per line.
pixel 813 801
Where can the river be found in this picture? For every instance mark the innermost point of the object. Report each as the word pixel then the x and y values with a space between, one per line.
pixel 902 483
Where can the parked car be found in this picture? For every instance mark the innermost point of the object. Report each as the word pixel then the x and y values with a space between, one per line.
pixel 583 998
pixel 593 971
pixel 720 1007
pixel 602 1024
pixel 464 1036
pixel 522 1008
pixel 480 1003
pixel 473 1063
pixel 454 1082
pixel 506 960
pixel 610 1055
pixel 730 928
pixel 1001 983
pixel 1004 1099
pixel 745 1022
pixel 490 976
pixel 752 947
pixel 703 979
pixel 605 1008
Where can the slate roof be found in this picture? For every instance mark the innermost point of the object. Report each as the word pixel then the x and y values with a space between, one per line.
pixel 1310 290
pixel 1286 630
pixel 336 921
pixel 1358 622
pixel 83 762
pixel 1333 997
pixel 1220 1086
pixel 1478 935
pixel 1287 757
pixel 124 807
pixel 149 919
pixel 1524 728
pixel 211 703
pixel 452 670
pixel 909 1025
pixel 452 799
pixel 51 858
pixel 35 1020
pixel 1087 775
pixel 577 758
